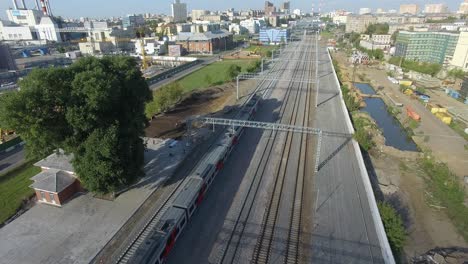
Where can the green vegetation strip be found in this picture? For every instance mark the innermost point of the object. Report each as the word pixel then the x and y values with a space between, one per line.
pixel 394 227
pixel 216 73
pixel 446 189
pixel 14 189
pixel 10 143
pixel 422 67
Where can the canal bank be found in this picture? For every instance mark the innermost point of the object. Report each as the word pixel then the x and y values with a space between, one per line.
pixel 393 131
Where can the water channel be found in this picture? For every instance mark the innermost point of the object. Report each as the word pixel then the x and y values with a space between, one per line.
pixel 395 135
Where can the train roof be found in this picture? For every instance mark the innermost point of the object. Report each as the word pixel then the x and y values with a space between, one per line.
pixel 188 193
pixel 169 219
pixel 155 241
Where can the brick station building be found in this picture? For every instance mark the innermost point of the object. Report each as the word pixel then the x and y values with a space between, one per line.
pixel 57 182
pixel 209 42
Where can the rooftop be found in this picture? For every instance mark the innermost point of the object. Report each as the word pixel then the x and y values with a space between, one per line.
pixel 52 180
pixel 190 36
pixel 58 160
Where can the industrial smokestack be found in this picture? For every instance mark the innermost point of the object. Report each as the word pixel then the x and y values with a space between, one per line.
pixel 24 4
pixel 37 4
pixel 15 5
pixel 44 8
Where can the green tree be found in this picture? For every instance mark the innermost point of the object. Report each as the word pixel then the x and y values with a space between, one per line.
pixel 77 108
pixel 233 71
pixel 378 29
pixel 393 227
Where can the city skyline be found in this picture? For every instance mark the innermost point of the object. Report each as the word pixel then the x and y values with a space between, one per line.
pixel 81 8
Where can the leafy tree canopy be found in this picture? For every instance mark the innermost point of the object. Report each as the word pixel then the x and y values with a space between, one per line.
pixel 93 109
pixel 377 29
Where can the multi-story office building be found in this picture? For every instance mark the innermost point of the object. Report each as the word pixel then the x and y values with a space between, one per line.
pixel 286 7
pixel 179 11
pixel 463 9
pixel 411 9
pixel 253 25
pixel 274 36
pixel 133 21
pixel 435 8
pixel 460 56
pixel 359 24
pixel 433 47
pixel 198 14
pixel 364 11
pixel 269 8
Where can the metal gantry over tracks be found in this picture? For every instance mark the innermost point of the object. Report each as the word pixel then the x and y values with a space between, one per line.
pixel 275 127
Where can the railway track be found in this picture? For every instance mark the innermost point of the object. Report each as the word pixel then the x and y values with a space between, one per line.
pixel 230 253
pixel 279 236
pixel 169 193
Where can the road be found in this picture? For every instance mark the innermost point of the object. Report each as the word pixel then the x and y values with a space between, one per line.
pixel 336 225
pixel 11 159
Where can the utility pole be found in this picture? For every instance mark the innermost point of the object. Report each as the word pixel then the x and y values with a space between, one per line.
pixel 316 70
pixel 237 85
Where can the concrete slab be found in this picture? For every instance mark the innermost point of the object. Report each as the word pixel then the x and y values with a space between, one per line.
pixel 77 231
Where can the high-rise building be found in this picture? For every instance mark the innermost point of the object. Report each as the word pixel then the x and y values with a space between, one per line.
pixel 359 24
pixel 286 7
pixel 269 8
pixel 198 14
pixel 179 11
pixel 133 21
pixel 463 9
pixel 433 47
pixel 7 63
pixel 411 9
pixel 364 11
pixel 435 8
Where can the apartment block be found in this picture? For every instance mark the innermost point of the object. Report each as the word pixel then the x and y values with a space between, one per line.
pixel 433 47
pixel 359 24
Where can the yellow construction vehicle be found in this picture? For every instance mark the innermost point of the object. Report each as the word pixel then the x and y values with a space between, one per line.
pixel 140 34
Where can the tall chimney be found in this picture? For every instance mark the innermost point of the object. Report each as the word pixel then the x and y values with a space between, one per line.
pixel 37 4
pixel 15 5
pixel 24 4
pixel 44 8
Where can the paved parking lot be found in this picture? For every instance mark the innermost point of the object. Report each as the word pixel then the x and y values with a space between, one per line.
pixel 78 230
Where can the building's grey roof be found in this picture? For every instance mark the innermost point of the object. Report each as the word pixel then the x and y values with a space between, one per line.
pixel 58 161
pixel 189 36
pixel 52 180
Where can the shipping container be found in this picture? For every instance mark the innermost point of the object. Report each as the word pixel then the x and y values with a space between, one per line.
pixel 444 117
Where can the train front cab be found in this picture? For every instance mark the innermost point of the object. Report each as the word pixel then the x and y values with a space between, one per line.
pixel 172 223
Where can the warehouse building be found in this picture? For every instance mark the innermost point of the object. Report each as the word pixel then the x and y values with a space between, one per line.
pixel 205 43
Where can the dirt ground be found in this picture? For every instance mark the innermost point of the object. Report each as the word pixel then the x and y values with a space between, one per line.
pixel 401 181
pixel 214 99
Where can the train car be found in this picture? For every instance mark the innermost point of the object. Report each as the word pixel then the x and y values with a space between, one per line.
pixel 159 244
pixel 191 196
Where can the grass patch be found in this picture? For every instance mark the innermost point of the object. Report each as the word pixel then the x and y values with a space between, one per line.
pixel 362 132
pixel 327 35
pixel 14 188
pixel 459 127
pixel 213 74
pixel 447 191
pixel 394 228
pixel 10 143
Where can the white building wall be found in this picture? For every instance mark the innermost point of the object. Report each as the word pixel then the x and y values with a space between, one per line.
pixel 17 33
pixel 460 56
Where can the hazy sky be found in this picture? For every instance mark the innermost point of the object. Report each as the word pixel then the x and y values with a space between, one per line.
pixel 100 8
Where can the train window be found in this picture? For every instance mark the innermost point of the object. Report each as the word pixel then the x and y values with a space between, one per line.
pixel 192 208
pixel 177 230
pixel 182 224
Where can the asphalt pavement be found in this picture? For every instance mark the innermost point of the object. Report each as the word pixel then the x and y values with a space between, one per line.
pixel 11 159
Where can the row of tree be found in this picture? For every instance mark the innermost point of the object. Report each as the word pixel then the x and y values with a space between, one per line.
pixel 93 109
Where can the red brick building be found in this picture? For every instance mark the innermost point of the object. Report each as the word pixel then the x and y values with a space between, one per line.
pixel 206 43
pixel 57 181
